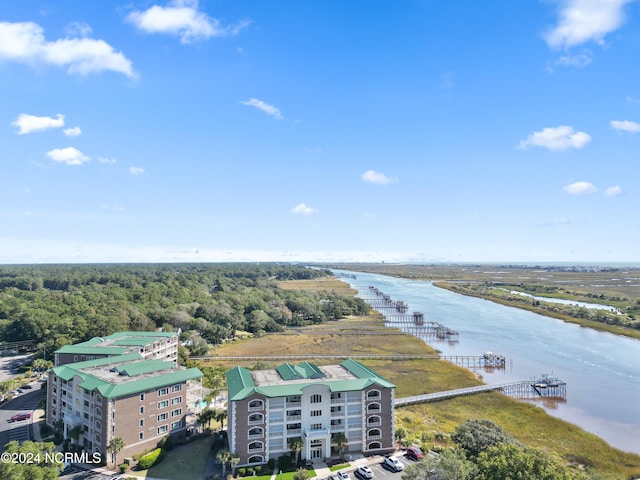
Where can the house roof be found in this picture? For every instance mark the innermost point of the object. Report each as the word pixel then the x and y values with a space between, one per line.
pixel 292 380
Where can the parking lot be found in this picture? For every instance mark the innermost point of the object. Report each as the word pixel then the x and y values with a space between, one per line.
pixel 381 471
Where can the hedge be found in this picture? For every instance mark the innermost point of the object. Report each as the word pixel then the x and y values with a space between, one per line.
pixel 151 459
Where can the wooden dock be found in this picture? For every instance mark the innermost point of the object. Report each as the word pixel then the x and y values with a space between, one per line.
pixel 521 389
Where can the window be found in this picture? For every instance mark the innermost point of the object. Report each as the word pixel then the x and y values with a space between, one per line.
pixel 373 394
pixel 316 413
pixel 163 429
pixel 176 388
pixel 141 423
pixel 316 426
pixel 141 436
pixel 255 418
pixel 163 391
pixel 141 409
pixel 163 416
pixel 176 412
pixel 373 407
pixel 256 405
pixel 316 398
pixel 163 404
pixel 176 425
pixel 257 432
pixel 255 446
pixel 374 434
pixel 176 400
pixel 374 445
pixel 373 420
pixel 256 459
pixel 142 397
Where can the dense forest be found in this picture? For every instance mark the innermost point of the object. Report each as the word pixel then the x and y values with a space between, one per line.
pixel 55 305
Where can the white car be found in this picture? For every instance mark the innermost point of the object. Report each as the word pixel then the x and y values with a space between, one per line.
pixel 364 472
pixel 394 464
pixel 343 476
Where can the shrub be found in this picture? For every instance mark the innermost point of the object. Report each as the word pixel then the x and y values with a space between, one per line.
pixel 249 471
pixel 151 459
pixel 258 469
pixel 166 443
pixel 271 463
pixel 123 467
pixel 241 472
pixel 284 463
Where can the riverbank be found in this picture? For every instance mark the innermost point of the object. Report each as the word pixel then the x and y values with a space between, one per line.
pixel 541 308
pixel 432 424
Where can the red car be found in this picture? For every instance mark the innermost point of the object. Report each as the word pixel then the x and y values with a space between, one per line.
pixel 414 453
pixel 20 416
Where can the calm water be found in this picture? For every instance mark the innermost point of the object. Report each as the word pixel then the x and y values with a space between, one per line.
pixel 602 371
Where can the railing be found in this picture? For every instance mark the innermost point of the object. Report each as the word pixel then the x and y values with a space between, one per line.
pixel 337 414
pixel 294 431
pixel 255 422
pixel 256 450
pixel 374 424
pixel 293 417
pixel 255 436
pixel 374 437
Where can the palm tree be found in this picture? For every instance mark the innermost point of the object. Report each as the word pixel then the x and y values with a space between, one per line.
pixel 221 415
pixel 115 446
pixel 341 440
pixel 75 432
pixel 206 416
pixel 234 460
pixel 224 456
pixel 296 447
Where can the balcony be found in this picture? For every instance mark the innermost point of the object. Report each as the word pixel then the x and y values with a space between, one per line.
pixel 337 414
pixel 291 418
pixel 255 450
pixel 294 404
pixel 255 422
pixel 294 431
pixel 255 436
pixel 374 437
pixel 337 400
pixel 374 424
pixel 322 432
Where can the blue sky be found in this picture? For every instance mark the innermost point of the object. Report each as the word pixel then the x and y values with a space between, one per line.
pixel 377 130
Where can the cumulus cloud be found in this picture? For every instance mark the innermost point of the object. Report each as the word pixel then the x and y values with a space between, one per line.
pixel 581 21
pixel 136 170
pixel 557 138
pixel 303 209
pixel 613 191
pixel 578 188
pixel 378 178
pixel 72 132
pixel 24 42
pixel 30 123
pixel 182 18
pixel 68 156
pixel 265 107
pixel 625 126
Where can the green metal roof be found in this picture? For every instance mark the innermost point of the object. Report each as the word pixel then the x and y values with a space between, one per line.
pixel 123 388
pixel 141 334
pixel 240 383
pixel 133 342
pixel 147 366
pixel 79 349
pixel 127 357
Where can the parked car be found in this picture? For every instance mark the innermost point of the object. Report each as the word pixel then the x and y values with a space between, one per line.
pixel 26 387
pixel 414 453
pixel 393 463
pixel 20 416
pixel 343 476
pixel 364 472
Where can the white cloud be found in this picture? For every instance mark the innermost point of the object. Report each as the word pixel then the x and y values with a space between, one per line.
pixel 613 191
pixel 582 21
pixel 578 188
pixel 625 126
pixel 581 60
pixel 136 170
pixel 378 178
pixel 30 123
pixel 68 156
pixel 302 209
pixel 107 160
pixel 557 138
pixel 78 29
pixel 265 107
pixel 72 132
pixel 630 99
pixel 182 18
pixel 24 42
pixel 372 176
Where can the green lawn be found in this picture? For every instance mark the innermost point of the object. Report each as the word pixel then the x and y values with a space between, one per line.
pixel 280 476
pixel 185 461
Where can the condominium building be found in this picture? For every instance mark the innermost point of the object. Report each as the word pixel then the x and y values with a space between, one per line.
pixel 148 344
pixel 139 400
pixel 270 409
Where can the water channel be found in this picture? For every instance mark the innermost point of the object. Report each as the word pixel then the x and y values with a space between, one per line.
pixel 602 370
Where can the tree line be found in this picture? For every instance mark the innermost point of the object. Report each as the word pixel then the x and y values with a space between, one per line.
pixel 56 305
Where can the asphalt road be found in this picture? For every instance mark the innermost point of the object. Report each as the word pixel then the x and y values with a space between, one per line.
pixel 24 402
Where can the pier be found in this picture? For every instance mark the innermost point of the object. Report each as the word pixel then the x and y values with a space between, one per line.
pixel 521 389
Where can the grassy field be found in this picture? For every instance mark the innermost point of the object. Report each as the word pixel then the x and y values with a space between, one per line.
pixel 434 422
pixel 185 461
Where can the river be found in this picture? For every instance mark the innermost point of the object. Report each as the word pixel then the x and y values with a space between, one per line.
pixel 602 370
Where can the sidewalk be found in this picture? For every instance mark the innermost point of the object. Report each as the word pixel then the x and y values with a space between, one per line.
pixel 36 417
